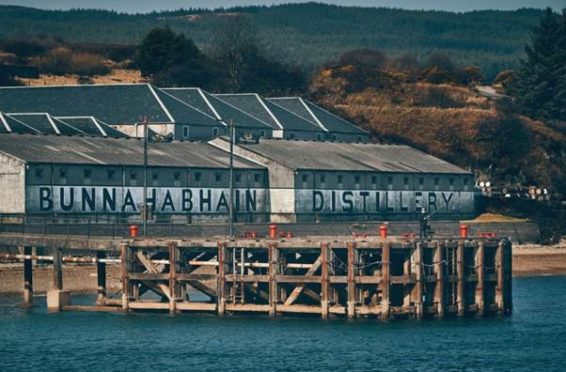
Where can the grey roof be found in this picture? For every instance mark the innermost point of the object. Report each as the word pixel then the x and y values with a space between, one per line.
pixel 194 97
pixel 317 115
pixel 252 104
pixel 290 120
pixel 89 126
pixel 40 122
pixel 114 151
pixel 113 104
pixel 13 125
pixel 230 113
pixel 339 156
pixel 183 112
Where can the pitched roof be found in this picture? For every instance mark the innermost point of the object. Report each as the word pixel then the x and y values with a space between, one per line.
pixel 317 115
pixel 253 105
pixel 290 120
pixel 113 104
pixel 340 156
pixel 89 125
pixel 194 97
pixel 183 112
pixel 115 151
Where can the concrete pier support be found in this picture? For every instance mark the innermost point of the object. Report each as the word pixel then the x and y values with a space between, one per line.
pixel 460 296
pixel 101 279
pixel 274 268
pixel 221 279
pixel 439 266
pixel 419 284
pixel 480 275
pixel 351 304
pixel 57 298
pixel 174 268
pixel 28 279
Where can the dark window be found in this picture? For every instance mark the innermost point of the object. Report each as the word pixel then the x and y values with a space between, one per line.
pixel 263 133
pixel 133 175
pixel 406 181
pixel 87 173
pixel 390 180
pixel 359 138
pixel 340 178
pixel 466 181
pixel 436 181
pixel 39 173
pixel 154 176
pixel 63 173
pixel 218 176
pixel 238 177
pixel 257 177
pixel 451 181
pixel 305 178
pixel 318 136
pixel 291 135
pixel 214 132
pixel 322 178
pixel 177 176
pixel 421 181
pixel 333 137
pixel 197 176
pixel 357 179
pixel 374 179
pixel 110 174
pixel 185 132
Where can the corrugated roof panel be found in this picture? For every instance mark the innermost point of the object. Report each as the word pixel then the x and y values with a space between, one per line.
pixel 193 97
pixel 39 122
pixel 112 151
pixel 251 104
pixel 294 105
pixel 351 157
pixel 230 113
pixel 333 122
pixel 183 112
pixel 290 120
pixel 84 124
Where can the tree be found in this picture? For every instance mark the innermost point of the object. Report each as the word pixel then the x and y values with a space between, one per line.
pixel 162 49
pixel 540 85
pixel 364 57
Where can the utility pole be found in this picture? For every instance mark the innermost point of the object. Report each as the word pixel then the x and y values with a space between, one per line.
pixel 145 140
pixel 231 202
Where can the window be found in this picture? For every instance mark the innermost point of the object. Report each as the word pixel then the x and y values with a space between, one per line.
pixel 154 177
pixel 322 178
pixel 257 177
pixel 87 173
pixel 390 180
pixel 406 181
pixel 218 176
pixel 451 181
pixel 333 137
pixel 357 179
pixel 359 138
pixel 238 177
pixel 291 135
pixel 318 136
pixel 39 173
pixel 305 178
pixel 214 132
pixel 466 181
pixel 186 131
pixel 177 176
pixel 133 175
pixel 374 179
pixel 436 181
pixel 263 133
pixel 197 176
pixel 421 181
pixel 340 178
pixel 110 174
pixel 63 173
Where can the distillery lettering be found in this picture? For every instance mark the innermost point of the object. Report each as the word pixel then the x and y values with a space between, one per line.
pixel 378 201
pixel 129 200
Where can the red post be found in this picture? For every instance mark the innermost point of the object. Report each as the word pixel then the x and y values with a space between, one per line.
pixel 463 231
pixel 383 231
pixel 272 231
pixel 134 231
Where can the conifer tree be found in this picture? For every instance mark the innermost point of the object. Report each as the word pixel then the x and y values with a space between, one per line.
pixel 541 82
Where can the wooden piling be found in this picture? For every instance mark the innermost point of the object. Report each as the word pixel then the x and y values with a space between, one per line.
pixel 351 304
pixel 57 278
pixel 480 275
pixel 499 272
pixel 28 279
pixel 221 279
pixel 174 268
pixel 273 257
pixel 101 278
pixel 324 280
pixel 419 283
pixel 507 278
pixel 439 266
pixel 385 280
pixel 460 296
pixel 125 257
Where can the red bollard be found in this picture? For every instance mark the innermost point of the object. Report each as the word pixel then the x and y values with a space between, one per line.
pixel 272 231
pixel 463 231
pixel 134 231
pixel 383 231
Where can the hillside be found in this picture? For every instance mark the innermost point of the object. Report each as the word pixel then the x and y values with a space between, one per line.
pixel 451 121
pixel 305 34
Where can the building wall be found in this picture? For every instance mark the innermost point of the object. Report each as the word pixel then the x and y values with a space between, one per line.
pixel 195 193
pixel 343 137
pixel 12 185
pixel 198 132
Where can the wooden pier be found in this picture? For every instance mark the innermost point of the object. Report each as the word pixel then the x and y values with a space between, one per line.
pixel 322 276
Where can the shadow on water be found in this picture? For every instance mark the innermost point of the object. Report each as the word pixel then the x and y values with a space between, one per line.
pixel 534 337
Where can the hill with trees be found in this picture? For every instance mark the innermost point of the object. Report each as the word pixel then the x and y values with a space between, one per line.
pixel 306 35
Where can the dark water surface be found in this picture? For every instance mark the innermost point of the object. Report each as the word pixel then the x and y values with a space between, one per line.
pixel 533 338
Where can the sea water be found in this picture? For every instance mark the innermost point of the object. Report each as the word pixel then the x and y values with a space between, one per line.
pixel 533 338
